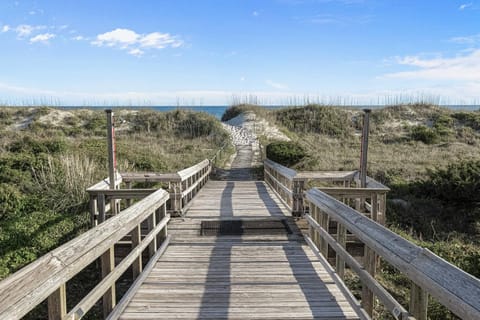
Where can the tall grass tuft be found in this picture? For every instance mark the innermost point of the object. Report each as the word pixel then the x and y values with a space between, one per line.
pixel 63 181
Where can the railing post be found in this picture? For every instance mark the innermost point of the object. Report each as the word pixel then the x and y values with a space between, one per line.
pixel 152 247
pixel 129 186
pixel 161 213
pixel 136 239
pixel 298 188
pixel 315 234
pixel 374 203
pixel 342 241
pixel 101 208
pixel 108 264
pixel 93 210
pixel 370 265
pixel 176 197
pixel 324 222
pixel 57 303
pixel 112 161
pixel 418 302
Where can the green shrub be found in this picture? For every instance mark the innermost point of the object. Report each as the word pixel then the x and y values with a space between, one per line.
pixel 316 119
pixel 469 119
pixel 12 201
pixel 424 134
pixel 458 183
pixel 285 153
pixel 443 125
pixel 36 146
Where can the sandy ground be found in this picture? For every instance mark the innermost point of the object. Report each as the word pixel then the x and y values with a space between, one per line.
pixel 245 129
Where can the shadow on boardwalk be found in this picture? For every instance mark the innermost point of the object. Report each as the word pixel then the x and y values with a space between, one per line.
pixel 262 287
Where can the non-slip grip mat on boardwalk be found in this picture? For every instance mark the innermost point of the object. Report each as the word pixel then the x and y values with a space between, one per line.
pixel 244 227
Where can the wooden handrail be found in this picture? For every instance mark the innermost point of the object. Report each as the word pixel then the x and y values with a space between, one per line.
pixel 182 186
pixel 452 287
pixel 47 276
pixel 290 185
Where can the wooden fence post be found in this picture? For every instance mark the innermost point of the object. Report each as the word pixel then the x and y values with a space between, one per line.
pixel 108 264
pixel 370 264
pixel 136 239
pixel 152 247
pixel 297 206
pixel 57 303
pixel 342 241
pixel 418 302
pixel 101 208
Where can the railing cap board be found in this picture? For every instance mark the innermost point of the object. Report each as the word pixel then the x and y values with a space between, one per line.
pixel 122 193
pixel 29 286
pixel 451 286
pixel 105 183
pixel 360 192
pixel 371 183
pixel 149 176
pixel 326 175
pixel 284 171
pixel 188 172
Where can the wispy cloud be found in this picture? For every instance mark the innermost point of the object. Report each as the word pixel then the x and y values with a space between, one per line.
pixel 5 28
pixel 136 52
pixel 255 13
pixel 465 6
pixel 35 12
pixel 470 40
pixel 79 38
pixel 338 19
pixel 276 85
pixel 126 39
pixel 25 30
pixel 465 67
pixel 42 38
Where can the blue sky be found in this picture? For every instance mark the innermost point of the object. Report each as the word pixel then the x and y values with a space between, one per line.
pixel 204 52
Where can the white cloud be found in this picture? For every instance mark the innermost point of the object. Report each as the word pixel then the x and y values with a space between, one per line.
pixel 117 38
pixel 276 85
pixel 25 30
pixel 42 38
pixel 159 41
pixel 126 39
pixel 464 67
pixel 465 6
pixel 6 28
pixel 136 52
pixel 255 13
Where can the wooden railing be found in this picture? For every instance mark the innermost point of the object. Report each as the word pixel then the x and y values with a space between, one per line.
pixel 46 278
pixel 182 187
pixel 291 185
pixel 452 287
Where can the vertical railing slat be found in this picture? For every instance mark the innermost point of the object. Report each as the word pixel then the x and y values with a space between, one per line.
pixel 108 264
pixel 57 303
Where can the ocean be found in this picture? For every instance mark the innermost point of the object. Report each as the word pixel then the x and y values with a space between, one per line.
pixel 218 111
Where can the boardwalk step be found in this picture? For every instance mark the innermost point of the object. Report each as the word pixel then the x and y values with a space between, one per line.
pixel 244 227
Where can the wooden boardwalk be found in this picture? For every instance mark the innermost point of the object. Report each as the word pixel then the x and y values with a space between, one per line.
pixel 239 277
